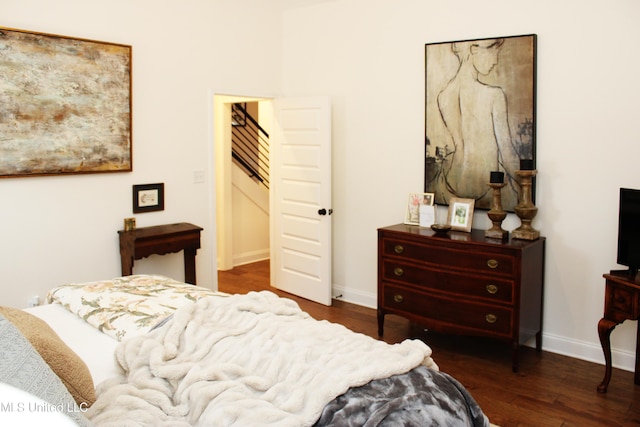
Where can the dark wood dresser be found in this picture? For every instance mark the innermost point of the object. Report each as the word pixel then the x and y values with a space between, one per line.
pixel 462 283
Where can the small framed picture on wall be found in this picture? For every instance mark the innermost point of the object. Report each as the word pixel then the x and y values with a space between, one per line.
pixel 148 198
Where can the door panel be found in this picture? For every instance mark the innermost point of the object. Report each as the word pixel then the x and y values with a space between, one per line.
pixel 301 171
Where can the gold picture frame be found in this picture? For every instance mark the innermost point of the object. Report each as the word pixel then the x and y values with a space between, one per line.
pixel 460 214
pixel 66 105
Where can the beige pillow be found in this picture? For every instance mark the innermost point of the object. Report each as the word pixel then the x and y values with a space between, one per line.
pixel 63 361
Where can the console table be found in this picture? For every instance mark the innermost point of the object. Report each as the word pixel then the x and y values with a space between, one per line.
pixel 462 283
pixel 161 240
pixel 621 302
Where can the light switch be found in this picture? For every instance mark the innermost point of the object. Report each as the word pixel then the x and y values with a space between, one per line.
pixel 198 177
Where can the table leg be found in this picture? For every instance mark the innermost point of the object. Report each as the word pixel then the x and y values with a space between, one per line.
pixel 636 378
pixel 380 322
pixel 605 326
pixel 126 257
pixel 190 265
pixel 539 341
pixel 515 352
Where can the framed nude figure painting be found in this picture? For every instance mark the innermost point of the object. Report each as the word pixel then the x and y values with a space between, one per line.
pixel 479 116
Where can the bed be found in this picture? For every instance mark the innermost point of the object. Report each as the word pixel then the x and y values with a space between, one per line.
pixel 146 350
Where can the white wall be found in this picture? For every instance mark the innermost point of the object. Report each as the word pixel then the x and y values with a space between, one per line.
pixel 64 229
pixel 368 55
pixel 250 219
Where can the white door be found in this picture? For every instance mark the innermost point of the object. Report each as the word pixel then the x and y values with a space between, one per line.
pixel 301 197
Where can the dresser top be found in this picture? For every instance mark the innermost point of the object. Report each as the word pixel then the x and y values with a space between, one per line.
pixel 475 236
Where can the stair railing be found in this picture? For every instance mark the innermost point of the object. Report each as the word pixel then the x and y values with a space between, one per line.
pixel 249 144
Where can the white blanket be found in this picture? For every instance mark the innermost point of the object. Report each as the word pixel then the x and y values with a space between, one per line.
pixel 246 360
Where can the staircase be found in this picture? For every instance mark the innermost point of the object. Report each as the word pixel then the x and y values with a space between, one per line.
pixel 250 187
pixel 249 144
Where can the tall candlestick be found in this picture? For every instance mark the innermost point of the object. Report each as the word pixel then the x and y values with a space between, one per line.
pixel 496 214
pixel 525 208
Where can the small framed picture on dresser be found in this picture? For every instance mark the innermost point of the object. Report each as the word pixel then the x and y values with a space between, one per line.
pixel 460 215
pixel 412 215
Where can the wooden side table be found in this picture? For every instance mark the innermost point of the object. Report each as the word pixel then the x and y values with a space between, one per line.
pixel 161 240
pixel 621 302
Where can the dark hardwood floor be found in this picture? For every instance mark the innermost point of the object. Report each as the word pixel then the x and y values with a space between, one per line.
pixel 549 390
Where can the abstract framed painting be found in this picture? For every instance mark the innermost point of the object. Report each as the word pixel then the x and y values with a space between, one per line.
pixel 66 105
pixel 480 105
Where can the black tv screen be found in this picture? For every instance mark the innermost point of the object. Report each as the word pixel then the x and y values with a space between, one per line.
pixel 629 230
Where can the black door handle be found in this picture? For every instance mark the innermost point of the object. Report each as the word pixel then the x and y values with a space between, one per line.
pixel 323 211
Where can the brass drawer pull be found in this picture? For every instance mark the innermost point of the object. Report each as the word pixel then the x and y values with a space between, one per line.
pixel 398 249
pixel 398 271
pixel 492 289
pixel 398 298
pixel 492 263
pixel 491 318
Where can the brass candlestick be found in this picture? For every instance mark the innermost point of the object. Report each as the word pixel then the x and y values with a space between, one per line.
pixel 497 214
pixel 525 209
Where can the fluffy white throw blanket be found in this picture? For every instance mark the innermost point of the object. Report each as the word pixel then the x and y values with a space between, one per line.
pixel 246 360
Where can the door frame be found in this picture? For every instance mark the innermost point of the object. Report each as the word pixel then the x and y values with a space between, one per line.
pixel 220 163
pixel 222 215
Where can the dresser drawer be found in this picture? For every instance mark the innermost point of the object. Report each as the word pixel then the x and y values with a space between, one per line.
pixel 483 318
pixel 621 301
pixel 473 286
pixel 489 263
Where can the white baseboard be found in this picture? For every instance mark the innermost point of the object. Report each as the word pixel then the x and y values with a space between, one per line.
pixel 365 299
pixel 591 352
pixel 249 257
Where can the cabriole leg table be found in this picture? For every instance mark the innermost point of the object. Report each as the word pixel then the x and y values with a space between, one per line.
pixel 621 302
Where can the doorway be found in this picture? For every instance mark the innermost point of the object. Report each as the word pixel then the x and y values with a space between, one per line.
pixel 242 205
pixel 298 222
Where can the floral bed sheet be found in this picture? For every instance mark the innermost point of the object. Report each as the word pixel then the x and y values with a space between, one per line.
pixel 127 306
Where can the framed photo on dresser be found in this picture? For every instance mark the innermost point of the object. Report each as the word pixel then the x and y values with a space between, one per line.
pixel 460 214
pixel 412 215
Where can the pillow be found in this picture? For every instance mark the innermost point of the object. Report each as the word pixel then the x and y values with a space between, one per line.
pixel 22 367
pixel 67 365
